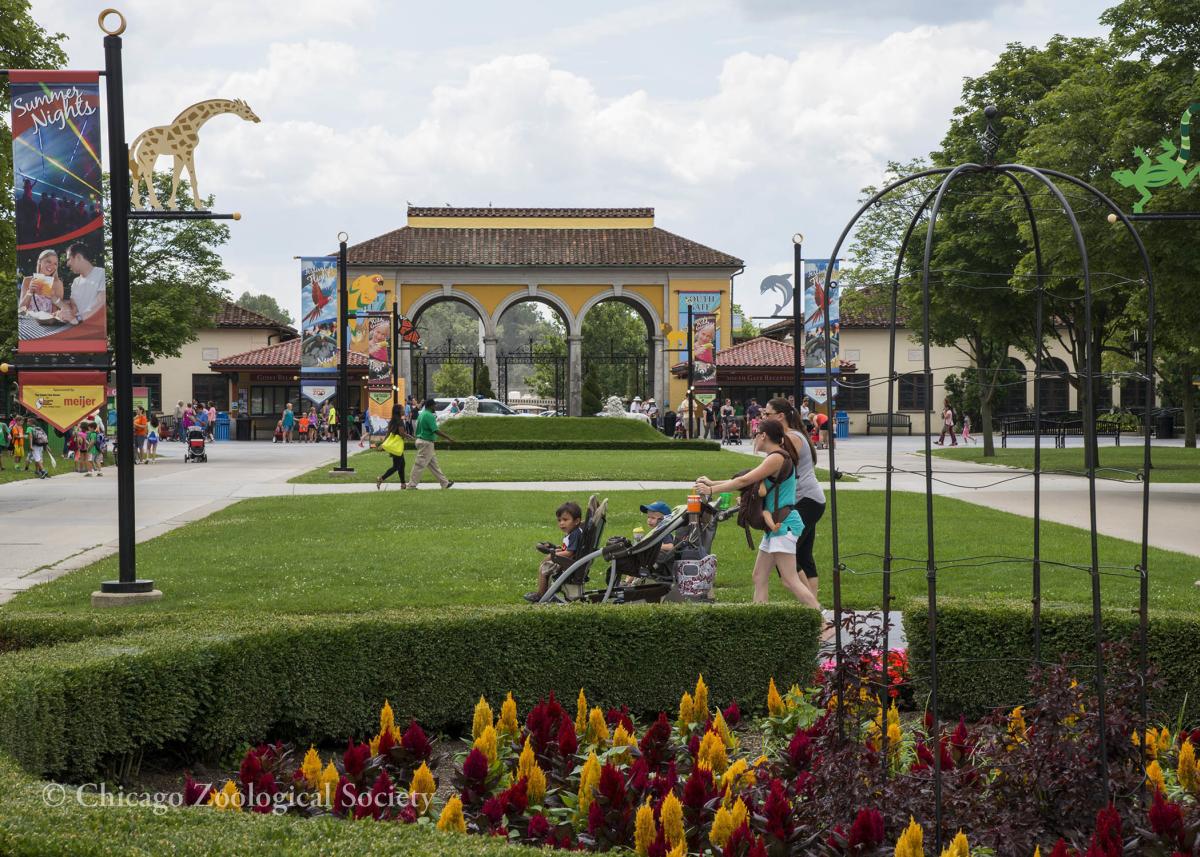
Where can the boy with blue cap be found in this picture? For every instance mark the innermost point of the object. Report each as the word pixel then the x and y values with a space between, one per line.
pixel 655 513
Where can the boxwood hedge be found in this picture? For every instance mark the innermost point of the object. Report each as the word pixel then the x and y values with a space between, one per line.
pixel 985 650
pixel 208 686
pixel 660 443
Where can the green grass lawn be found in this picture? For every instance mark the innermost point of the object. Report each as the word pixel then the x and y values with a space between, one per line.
pixel 549 428
pixel 358 553
pixel 64 465
pixel 554 465
pixel 1170 463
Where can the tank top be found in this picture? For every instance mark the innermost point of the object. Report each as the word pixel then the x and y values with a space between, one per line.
pixel 808 487
pixel 787 491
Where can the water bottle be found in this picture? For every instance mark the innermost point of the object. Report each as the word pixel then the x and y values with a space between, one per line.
pixel 638 534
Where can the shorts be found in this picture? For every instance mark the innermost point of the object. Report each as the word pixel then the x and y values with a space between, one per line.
pixel 35 454
pixel 782 542
pixel 139 441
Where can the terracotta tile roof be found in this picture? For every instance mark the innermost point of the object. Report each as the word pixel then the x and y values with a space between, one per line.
pixel 232 315
pixel 609 248
pixel 431 211
pixel 868 316
pixel 758 353
pixel 282 355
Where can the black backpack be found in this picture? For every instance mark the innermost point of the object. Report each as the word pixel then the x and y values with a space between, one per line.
pixel 751 506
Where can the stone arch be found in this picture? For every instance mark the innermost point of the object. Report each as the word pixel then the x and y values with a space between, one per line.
pixel 428 299
pixel 656 357
pixel 560 307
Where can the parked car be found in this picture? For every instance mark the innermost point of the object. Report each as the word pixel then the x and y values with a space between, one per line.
pixel 487 408
pixel 527 410
pixel 552 413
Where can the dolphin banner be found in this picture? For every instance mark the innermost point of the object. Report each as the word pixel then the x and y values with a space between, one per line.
pixel 318 316
pixel 61 285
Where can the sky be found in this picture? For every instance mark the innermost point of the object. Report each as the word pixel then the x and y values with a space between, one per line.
pixel 741 122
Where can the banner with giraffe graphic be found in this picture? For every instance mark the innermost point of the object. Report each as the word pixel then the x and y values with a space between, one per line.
pixel 61 297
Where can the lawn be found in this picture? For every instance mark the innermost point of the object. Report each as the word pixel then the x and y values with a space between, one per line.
pixel 553 465
pixel 1169 463
pixel 358 553
pixel 549 428
pixel 63 465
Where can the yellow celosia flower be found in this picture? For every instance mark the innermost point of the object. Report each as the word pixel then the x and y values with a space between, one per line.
pixel 671 815
pixel 581 713
pixel 451 818
pixel 589 777
pixel 774 701
pixel 387 718
pixel 1164 740
pixel 644 829
pixel 700 702
pixel 311 768
pixel 374 743
pixel 1037 851
pixel 422 789
pixel 621 738
pixel 483 718
pixel 686 709
pixel 1154 775
pixel 794 693
pixel 895 736
pixel 678 851
pixel 227 799
pixel 1188 770
pixel 597 729
pixel 526 761
pixel 328 784
pixel 507 724
pixel 1016 727
pixel 730 779
pixel 535 785
pixel 712 753
pixel 912 841
pixel 740 813
pixel 722 828
pixel 724 731
pixel 959 847
pixel 486 743
pixel 761 760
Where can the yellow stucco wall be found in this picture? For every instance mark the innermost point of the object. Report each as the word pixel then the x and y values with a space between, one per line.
pixel 531 222
pixel 410 293
pixel 678 386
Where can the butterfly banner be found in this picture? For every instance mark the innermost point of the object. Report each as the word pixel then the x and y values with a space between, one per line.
pixel 319 315
pixel 409 332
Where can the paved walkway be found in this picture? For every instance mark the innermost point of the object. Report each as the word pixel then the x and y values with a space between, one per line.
pixel 57 525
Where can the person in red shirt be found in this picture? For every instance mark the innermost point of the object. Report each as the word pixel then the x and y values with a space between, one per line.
pixel 141 428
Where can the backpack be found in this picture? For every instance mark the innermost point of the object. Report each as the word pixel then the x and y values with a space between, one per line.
pixel 751 506
pixel 37 437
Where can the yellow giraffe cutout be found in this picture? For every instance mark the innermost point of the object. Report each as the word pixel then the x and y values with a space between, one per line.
pixel 179 139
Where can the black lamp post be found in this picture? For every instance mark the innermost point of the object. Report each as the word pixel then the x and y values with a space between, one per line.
pixel 343 392
pixel 798 318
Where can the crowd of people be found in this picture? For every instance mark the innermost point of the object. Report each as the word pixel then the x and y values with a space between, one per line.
pixel 714 419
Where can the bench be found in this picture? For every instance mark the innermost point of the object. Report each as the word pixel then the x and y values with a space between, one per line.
pixel 885 421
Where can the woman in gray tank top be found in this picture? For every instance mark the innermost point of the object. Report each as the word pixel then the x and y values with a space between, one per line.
pixel 810 497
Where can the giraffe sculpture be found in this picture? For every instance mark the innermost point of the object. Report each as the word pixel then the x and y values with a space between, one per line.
pixel 179 139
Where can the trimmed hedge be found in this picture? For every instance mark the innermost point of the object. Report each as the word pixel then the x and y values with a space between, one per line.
pixel 662 443
pixel 213 685
pixel 984 652
pixel 550 428
pixel 29 827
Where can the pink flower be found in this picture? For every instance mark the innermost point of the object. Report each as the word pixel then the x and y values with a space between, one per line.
pixel 1166 819
pixel 355 758
pixel 194 793
pixel 866 831
pixel 732 714
pixel 475 767
pixel 800 750
pixel 414 741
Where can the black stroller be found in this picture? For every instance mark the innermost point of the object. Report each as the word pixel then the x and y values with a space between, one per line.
pixel 732 434
pixel 637 571
pixel 195 450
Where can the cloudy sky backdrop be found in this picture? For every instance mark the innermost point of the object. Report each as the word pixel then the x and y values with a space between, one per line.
pixel 739 121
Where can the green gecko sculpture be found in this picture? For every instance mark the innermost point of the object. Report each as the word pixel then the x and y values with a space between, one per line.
pixel 1166 168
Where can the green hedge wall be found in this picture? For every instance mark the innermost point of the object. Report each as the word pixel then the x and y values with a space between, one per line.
pixel 67 710
pixel 661 443
pixel 31 828
pixel 984 652
pixel 549 428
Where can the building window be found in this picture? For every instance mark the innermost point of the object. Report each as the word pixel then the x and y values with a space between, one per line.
pixel 854 392
pixel 211 388
pixel 1133 394
pixel 916 391
pixel 210 354
pixel 1055 391
pixel 153 385
pixel 1010 397
pixel 916 355
pixel 270 401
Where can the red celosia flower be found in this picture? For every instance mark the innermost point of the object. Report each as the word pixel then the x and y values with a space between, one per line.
pixel 1106 841
pixel 595 818
pixel 732 714
pixel 698 790
pixel 778 811
pixel 613 717
pixel 742 841
pixel 928 720
pixel 693 746
pixel 493 810
pixel 540 726
pixel 355 758
pixel 260 795
pixel 804 784
pixel 659 847
pixel 665 781
pixel 194 793
pixel 612 785
pixel 250 769
pixel 407 815
pixel 386 743
pixel 475 767
pixel 639 775
pixel 378 801
pixel 345 797
pixel 516 797
pixel 414 741
pixel 866 831
pixel 961 739
pixel 568 743
pixel 1061 849
pixel 800 750
pixel 538 827
pixel 654 743
pixel 1166 819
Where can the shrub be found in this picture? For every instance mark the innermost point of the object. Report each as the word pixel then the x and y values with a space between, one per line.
pixel 985 652
pixel 550 428
pixel 210 685
pixel 661 443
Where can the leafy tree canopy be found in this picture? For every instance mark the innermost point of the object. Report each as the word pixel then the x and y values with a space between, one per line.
pixel 265 305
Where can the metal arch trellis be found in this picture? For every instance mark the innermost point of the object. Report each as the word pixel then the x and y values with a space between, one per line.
pixel 932 204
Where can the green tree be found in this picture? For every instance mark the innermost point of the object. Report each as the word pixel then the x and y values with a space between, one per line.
pixel 747 329
pixel 612 331
pixel 547 380
pixel 592 398
pixel 265 305
pixel 452 380
pixel 483 383
pixel 23 44
pixel 449 322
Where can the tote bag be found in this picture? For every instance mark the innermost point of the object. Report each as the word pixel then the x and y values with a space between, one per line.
pixel 393 444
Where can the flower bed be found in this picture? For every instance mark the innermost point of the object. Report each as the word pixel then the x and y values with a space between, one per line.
pixel 811 777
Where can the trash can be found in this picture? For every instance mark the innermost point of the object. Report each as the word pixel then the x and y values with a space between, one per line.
pixel 841 425
pixel 1164 426
pixel 221 430
pixel 242 430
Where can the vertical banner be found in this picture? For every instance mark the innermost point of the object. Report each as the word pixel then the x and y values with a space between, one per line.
pixel 816 304
pixel 379 371
pixel 706 333
pixel 366 293
pixel 61 294
pixel 318 316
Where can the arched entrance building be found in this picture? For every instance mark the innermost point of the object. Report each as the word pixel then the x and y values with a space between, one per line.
pixel 570 259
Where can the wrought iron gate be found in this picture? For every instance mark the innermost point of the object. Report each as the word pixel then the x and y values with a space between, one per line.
pixel 554 364
pixel 426 363
pixel 623 374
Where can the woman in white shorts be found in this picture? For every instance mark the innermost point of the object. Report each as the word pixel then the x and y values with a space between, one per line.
pixel 778 548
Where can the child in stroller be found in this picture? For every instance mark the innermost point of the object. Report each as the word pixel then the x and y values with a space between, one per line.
pixel 195 445
pixel 733 432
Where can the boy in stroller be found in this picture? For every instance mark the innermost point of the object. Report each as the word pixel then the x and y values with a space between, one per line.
pixel 569 516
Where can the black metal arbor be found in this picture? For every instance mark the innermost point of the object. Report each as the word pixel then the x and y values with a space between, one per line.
pixel 1016 176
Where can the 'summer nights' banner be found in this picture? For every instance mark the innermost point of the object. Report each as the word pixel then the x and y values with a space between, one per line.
pixel 318 316
pixel 61 298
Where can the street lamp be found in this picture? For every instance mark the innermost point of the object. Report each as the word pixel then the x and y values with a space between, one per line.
pixel 798 318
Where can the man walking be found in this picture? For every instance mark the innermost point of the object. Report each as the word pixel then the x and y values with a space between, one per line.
pixel 427 433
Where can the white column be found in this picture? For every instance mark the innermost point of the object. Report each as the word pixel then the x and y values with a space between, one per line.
pixel 575 376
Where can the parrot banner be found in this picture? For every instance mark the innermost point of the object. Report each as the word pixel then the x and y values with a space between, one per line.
pixel 319 316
